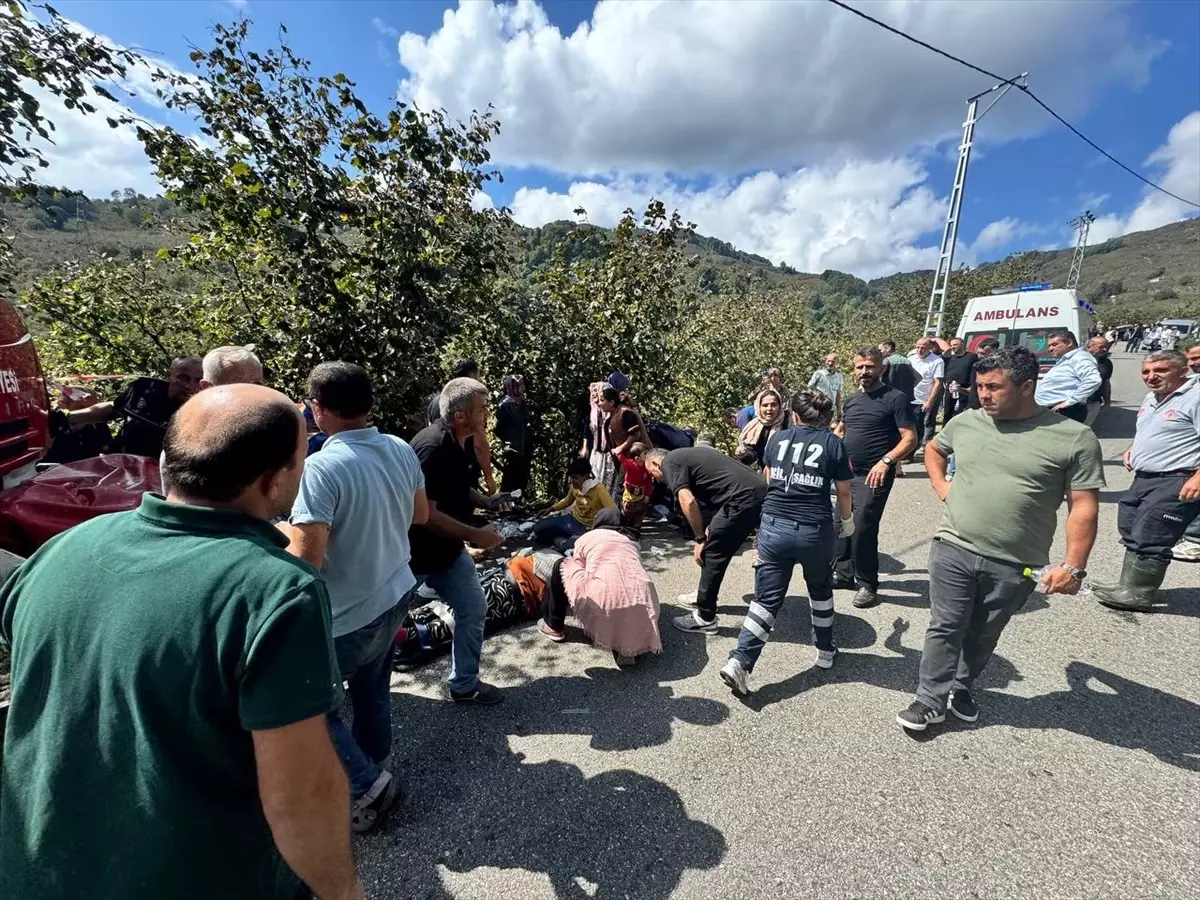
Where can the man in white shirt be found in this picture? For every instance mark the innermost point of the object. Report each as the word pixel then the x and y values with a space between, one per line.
pixel 930 370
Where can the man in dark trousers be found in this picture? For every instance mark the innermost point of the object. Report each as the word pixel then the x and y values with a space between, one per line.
pixel 1098 347
pixel 960 369
pixel 878 430
pixel 701 475
pixel 1165 495
pixel 1016 463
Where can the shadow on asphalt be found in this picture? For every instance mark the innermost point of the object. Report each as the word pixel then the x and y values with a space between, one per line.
pixel 1110 709
pixel 1117 422
pixel 894 673
pixel 475 803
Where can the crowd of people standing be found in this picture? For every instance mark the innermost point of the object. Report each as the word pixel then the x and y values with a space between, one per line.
pixel 217 704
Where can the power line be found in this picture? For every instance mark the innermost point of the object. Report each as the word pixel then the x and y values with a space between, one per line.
pixel 1032 96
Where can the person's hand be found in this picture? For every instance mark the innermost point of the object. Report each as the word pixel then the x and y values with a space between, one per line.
pixel 1191 489
pixel 1062 405
pixel 698 554
pixel 487 537
pixel 845 527
pixel 942 488
pixel 839 429
pixel 926 406
pixel 583 454
pixel 878 474
pixel 1127 458
pixel 616 453
pixel 1057 580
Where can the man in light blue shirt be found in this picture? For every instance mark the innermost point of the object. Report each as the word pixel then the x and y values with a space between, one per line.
pixel 358 497
pixel 1074 378
pixel 830 382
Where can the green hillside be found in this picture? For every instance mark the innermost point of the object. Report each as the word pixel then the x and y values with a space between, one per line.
pixel 1143 275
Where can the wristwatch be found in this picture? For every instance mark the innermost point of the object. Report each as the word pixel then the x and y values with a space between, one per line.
pixel 701 539
pixel 1077 574
pixel 888 459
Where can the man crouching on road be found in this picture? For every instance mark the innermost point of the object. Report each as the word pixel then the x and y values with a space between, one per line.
pixel 1016 461
pixel 172 668
pixel 700 476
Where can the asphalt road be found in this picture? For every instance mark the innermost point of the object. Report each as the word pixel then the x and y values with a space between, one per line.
pixel 1081 778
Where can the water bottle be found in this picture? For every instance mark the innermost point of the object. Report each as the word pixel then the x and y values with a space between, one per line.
pixel 1085 589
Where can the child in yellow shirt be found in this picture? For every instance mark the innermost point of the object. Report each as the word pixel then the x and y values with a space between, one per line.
pixel 586 497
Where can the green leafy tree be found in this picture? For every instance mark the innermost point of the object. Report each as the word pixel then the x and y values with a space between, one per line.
pixel 618 301
pixel 321 230
pixel 53 56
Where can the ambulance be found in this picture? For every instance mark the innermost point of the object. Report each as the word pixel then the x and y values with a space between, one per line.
pixel 1027 315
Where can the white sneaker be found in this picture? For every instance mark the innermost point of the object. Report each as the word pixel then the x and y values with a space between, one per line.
pixel 736 677
pixel 825 658
pixel 1187 551
pixel 688 598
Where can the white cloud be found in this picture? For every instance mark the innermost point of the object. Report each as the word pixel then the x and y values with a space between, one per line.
pixel 1178 160
pixel 729 87
pixel 90 156
pixel 862 217
pixel 996 234
pixel 384 28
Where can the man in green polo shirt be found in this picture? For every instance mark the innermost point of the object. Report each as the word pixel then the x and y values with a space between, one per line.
pixel 171 671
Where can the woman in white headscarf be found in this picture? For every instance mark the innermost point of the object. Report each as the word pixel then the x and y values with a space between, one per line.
pixel 768 419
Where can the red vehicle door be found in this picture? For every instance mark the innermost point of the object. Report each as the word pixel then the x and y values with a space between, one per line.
pixel 24 405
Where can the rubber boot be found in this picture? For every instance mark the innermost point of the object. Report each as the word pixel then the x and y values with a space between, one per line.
pixel 1141 578
pixel 1101 589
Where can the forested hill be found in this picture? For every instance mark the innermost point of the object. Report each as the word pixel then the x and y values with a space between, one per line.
pixel 1148 273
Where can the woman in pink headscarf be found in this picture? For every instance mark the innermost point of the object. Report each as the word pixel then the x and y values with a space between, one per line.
pixel 606 587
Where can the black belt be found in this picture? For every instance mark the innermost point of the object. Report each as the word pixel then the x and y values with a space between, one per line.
pixel 1186 473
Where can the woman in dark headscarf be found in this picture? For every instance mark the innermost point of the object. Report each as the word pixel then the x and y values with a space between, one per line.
pixel 512 428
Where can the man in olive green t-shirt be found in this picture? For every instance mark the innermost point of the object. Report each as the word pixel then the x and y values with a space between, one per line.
pixel 1016 462
pixel 171 671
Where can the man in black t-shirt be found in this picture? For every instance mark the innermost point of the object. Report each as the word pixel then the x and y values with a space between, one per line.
pixel 146 405
pixel 983 350
pixel 439 557
pixel 701 475
pixel 1098 347
pixel 879 431
pixel 960 378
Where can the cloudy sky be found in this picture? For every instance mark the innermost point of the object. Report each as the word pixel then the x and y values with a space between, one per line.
pixel 791 129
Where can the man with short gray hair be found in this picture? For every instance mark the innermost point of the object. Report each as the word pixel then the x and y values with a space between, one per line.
pixel 1165 495
pixel 230 365
pixel 439 557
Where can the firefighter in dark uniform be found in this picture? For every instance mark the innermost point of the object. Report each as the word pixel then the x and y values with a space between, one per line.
pixel 1165 495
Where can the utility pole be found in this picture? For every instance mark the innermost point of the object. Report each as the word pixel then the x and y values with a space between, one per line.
pixel 941 277
pixel 1083 225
